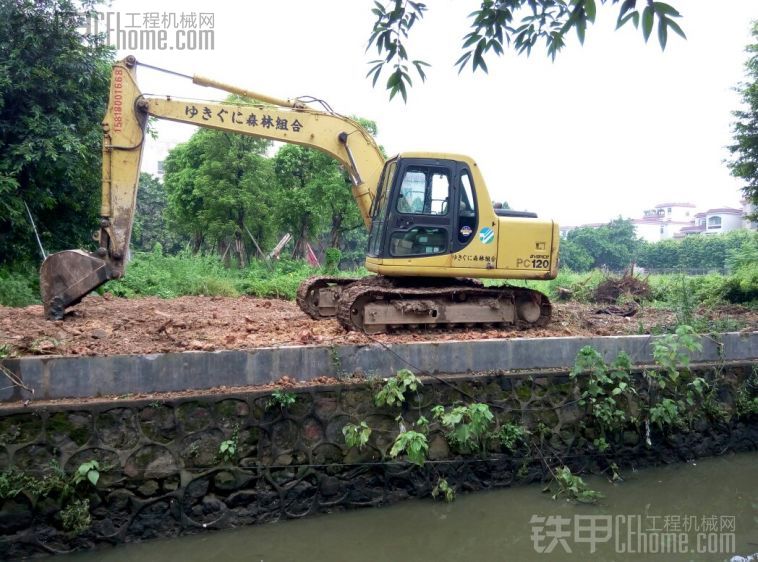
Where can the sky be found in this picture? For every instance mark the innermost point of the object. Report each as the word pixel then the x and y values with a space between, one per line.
pixel 610 128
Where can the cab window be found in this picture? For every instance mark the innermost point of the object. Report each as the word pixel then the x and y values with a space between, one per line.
pixel 424 191
pixel 419 241
pixel 467 222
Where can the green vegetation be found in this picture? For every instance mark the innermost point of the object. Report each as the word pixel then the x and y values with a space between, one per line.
pixel 168 276
pixel 281 399
pixel 498 26
pixel 469 427
pixel 151 226
pixel 221 190
pixel 615 245
pixel 744 163
pixel 442 488
pixel 511 435
pixel 55 483
pixel 394 389
pixel 227 450
pixel 605 392
pixel 76 517
pixel 746 403
pixel 19 286
pixel 156 274
pixel 89 471
pixel 674 390
pixel 676 291
pixel 54 83
pixel 356 435
pixel 703 252
pixel 615 398
pixel 572 487
pixel 224 195
pixel 411 443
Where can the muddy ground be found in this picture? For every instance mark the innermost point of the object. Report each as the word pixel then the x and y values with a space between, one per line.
pixel 110 326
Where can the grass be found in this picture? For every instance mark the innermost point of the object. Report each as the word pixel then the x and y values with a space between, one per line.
pixel 19 286
pixel 155 274
pixel 667 289
pixel 169 276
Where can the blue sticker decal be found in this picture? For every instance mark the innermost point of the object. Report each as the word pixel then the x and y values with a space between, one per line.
pixel 486 235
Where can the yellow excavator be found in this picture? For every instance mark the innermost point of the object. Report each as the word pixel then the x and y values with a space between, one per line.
pixel 433 230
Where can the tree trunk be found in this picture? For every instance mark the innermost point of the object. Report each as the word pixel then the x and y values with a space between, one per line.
pixel 197 242
pixel 336 233
pixel 241 251
pixel 299 250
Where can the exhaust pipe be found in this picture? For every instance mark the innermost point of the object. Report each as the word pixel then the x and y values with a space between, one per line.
pixel 67 277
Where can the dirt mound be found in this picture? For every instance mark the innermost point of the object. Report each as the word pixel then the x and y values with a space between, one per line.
pixel 612 289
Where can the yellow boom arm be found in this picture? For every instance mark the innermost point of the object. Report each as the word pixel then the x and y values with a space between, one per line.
pixel 69 275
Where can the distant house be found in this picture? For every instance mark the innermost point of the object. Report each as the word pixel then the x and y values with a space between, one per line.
pixel 664 221
pixel 648 228
pixel 722 220
pixel 748 209
pixel 676 220
pixel 667 221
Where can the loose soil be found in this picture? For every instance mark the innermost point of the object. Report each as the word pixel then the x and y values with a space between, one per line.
pixel 115 326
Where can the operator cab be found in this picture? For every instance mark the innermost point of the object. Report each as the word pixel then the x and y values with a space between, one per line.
pixel 423 207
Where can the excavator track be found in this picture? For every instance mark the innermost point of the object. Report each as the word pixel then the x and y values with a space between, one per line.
pixel 392 304
pixel 318 303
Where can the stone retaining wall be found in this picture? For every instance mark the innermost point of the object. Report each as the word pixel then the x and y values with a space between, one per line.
pixel 162 475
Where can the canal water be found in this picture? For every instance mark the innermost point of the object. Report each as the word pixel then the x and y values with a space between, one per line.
pixel 707 510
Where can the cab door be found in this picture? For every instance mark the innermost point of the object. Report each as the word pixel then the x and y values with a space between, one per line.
pixel 379 210
pixel 420 216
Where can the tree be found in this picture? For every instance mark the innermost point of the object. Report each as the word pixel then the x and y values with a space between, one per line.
pixel 150 224
pixel 344 215
pixel 744 164
pixel 316 200
pixel 221 190
pixel 184 204
pixel 574 256
pixel 54 85
pixel 613 245
pixel 301 173
pixel 699 251
pixel 500 24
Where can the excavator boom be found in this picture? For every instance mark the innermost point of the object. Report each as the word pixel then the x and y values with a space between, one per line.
pixel 66 277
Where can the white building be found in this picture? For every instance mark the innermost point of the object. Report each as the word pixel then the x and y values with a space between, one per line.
pixel 747 210
pixel 722 220
pixel 648 228
pixel 664 221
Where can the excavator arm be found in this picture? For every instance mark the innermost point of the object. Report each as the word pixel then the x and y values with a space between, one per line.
pixel 67 276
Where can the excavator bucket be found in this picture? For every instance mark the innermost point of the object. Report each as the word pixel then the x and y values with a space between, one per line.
pixel 66 277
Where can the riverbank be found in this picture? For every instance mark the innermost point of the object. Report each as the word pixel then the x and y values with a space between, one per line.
pixel 168 466
pixel 495 525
